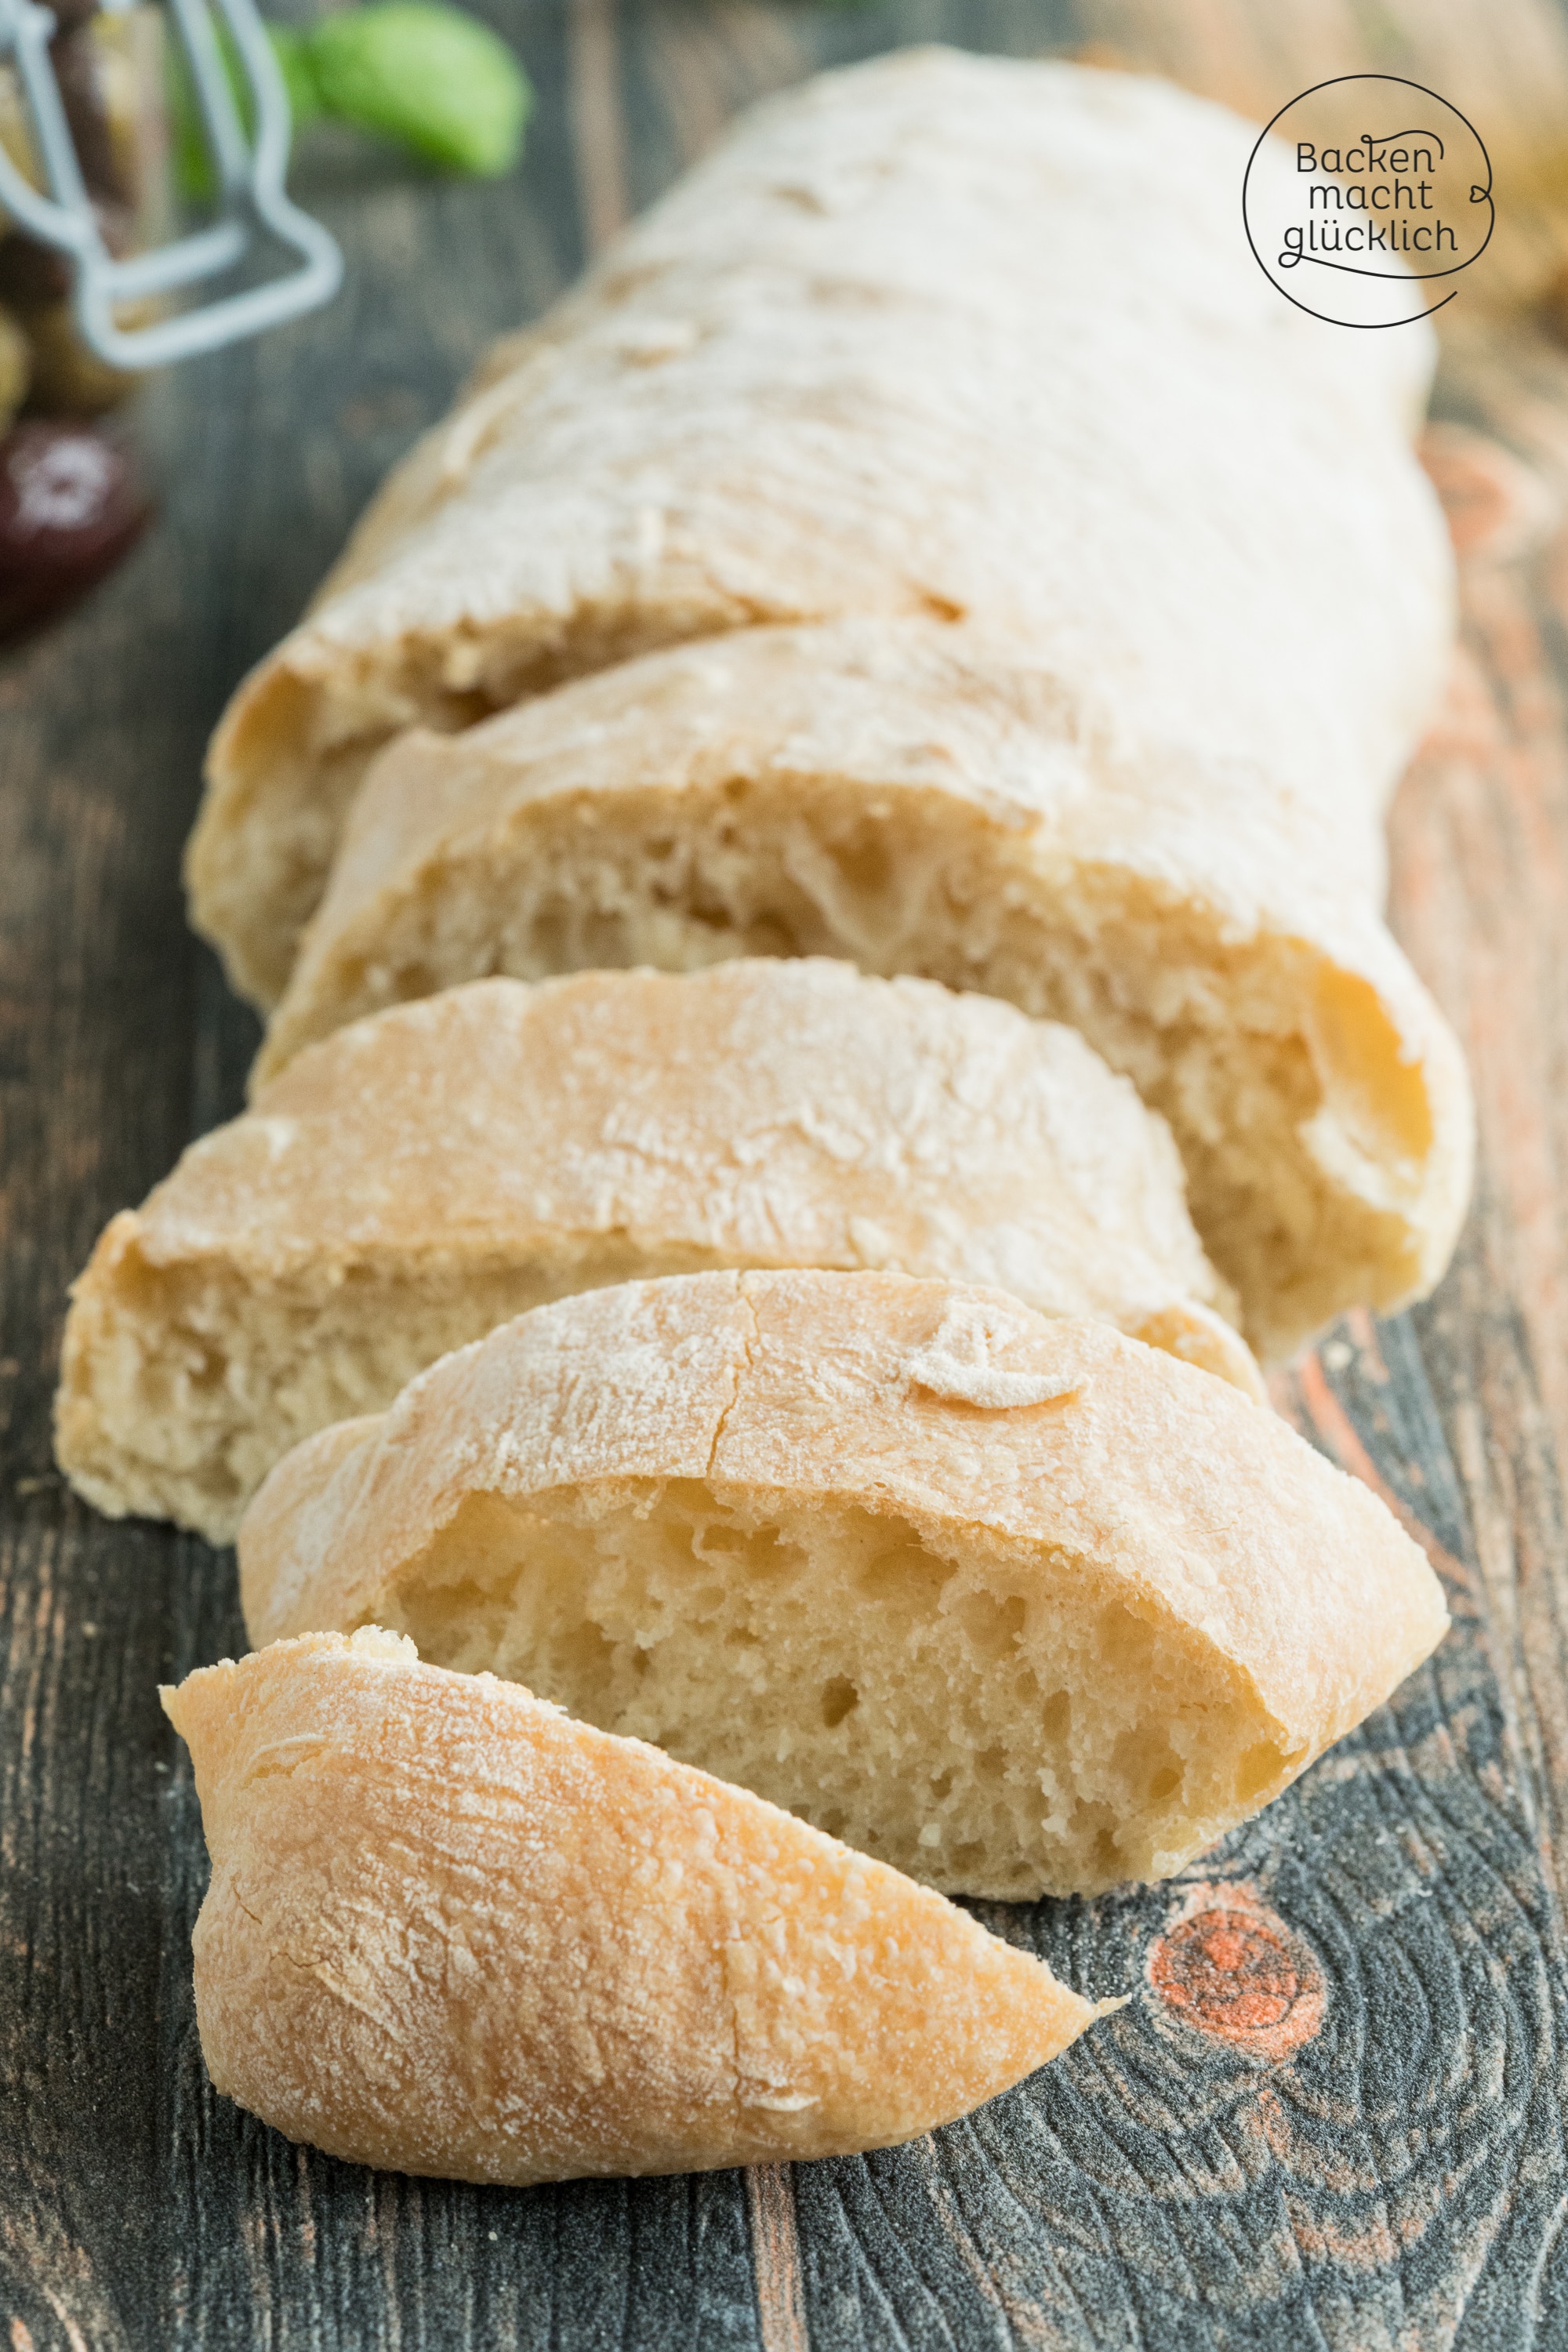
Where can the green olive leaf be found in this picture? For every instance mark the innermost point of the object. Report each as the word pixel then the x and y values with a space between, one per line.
pixel 291 48
pixel 433 79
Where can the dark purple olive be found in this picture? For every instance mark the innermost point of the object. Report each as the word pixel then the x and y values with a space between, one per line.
pixel 70 507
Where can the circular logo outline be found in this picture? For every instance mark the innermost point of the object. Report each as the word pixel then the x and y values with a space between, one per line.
pixel 1372 326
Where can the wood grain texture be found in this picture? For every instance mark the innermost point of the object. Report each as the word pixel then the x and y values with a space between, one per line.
pixel 1330 2117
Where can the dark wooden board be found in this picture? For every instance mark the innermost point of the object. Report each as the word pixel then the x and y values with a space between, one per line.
pixel 1330 2117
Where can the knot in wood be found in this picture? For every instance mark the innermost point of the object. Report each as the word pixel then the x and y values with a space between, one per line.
pixel 1239 1974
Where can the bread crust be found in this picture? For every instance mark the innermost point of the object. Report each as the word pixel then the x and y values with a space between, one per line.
pixel 451 1931
pixel 428 1173
pixel 1051 1448
pixel 925 799
pixel 904 345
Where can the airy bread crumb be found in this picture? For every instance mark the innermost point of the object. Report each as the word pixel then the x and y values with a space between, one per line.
pixel 1017 1606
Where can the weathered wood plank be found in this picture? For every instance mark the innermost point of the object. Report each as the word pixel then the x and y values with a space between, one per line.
pixel 1330 2115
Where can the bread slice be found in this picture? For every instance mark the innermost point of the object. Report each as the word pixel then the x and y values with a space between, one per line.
pixel 942 335
pixel 1018 1606
pixel 915 799
pixel 450 1931
pixel 428 1173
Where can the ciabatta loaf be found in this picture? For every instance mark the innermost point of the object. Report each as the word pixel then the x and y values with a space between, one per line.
pixel 917 799
pixel 432 1172
pixel 449 1931
pixel 1019 1606
pixel 940 335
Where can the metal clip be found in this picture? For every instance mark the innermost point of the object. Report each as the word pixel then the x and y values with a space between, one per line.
pixel 251 196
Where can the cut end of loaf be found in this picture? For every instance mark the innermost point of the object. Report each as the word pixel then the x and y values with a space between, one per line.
pixel 538 1953
pixel 183 1382
pixel 419 1177
pixel 989 1726
pixel 1017 1606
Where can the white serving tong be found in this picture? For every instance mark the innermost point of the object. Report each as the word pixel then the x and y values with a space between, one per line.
pixel 251 199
